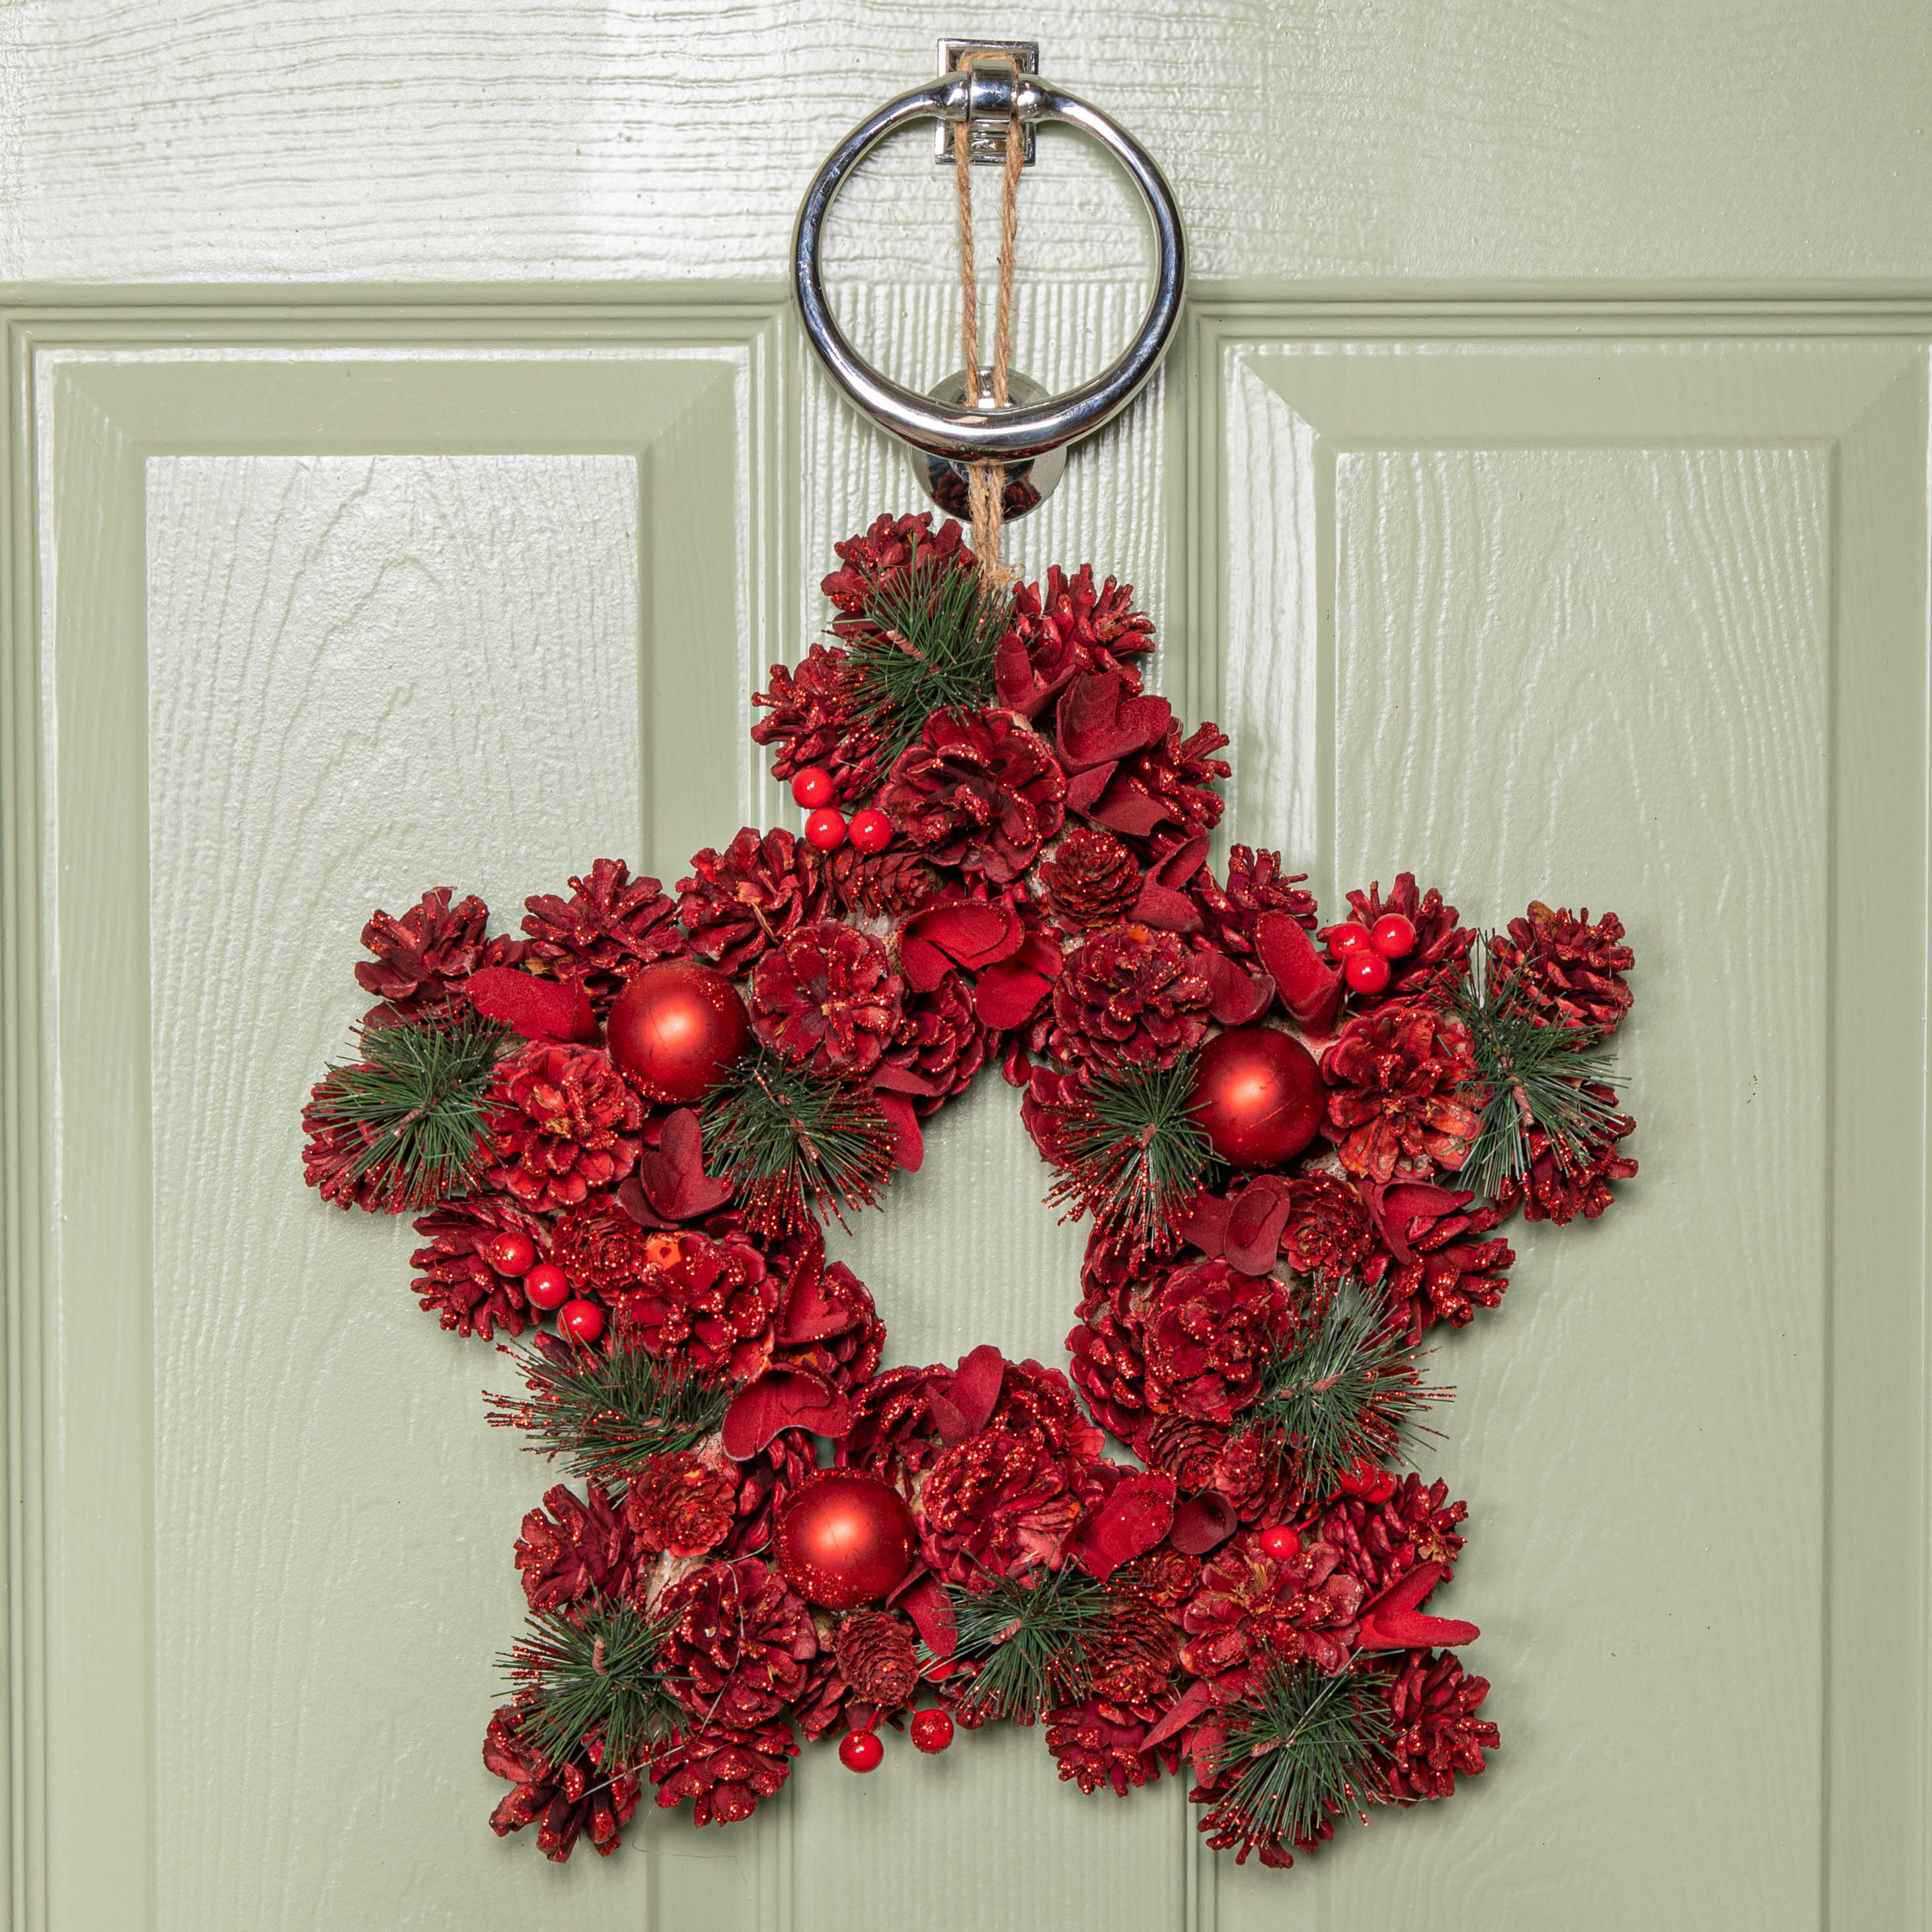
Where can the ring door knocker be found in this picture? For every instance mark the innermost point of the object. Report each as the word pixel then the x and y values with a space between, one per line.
pixel 1030 435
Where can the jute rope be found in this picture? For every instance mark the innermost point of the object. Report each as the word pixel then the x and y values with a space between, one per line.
pixel 986 480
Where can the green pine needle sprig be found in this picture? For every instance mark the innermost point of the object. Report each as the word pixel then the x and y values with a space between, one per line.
pixel 1347 1386
pixel 1529 1074
pixel 608 1415
pixel 1134 1154
pixel 797 1146
pixel 1306 1749
pixel 592 1672
pixel 1033 1646
pixel 416 1093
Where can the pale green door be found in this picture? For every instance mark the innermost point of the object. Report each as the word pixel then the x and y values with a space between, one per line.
pixel 411 462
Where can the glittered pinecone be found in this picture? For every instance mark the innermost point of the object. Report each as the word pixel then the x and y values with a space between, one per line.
pixel 1069 627
pixel 1161 797
pixel 610 926
pixel 1040 1403
pixel 681 1505
pixel 1559 1185
pixel 827 999
pixel 1256 1480
pixel 753 896
pixel 1134 1653
pixel 455 1280
pixel 1568 972
pixel 1252 1607
pixel 1129 997
pixel 564 1801
pixel 1091 880
pixel 837 1335
pixel 981 790
pixel 561 1122
pixel 1396 1113
pixel 879 885
pixel 821 715
pixel 738 1641
pixel 875 1656
pixel 708 1305
pixel 1109 1369
pixel 424 958
pixel 940 1044
pixel 1165 1577
pixel 725 1771
pixel 879 560
pixel 1437 1733
pixel 1255 885
pixel 333 1158
pixel 1454 1272
pixel 575 1547
pixel 1328 1233
pixel 1099 1742
pixel 1440 960
pixel 892 1433
pixel 1184 1447
pixel 999 1503
pixel 1210 1331
pixel 1381 1542
pixel 601 1249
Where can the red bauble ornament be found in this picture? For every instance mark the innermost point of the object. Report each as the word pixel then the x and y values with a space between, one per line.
pixel 845 1538
pixel 546 1286
pixel 1366 971
pixel 1258 1095
pixel 812 786
pixel 871 830
pixel 676 1028
pixel 932 1730
pixel 1346 938
pixel 1281 1541
pixel 511 1252
pixel 582 1322
pixel 1393 936
pixel 860 1751
pixel 826 828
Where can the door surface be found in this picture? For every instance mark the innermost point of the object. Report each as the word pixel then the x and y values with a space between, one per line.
pixel 412 467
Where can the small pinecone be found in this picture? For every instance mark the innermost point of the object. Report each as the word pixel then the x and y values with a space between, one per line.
pixel 1558 1188
pixel 981 790
pixel 752 896
pixel 941 1042
pixel 610 925
pixel 738 1642
pixel 1052 638
pixel 1091 880
pixel 878 559
pixel 1570 972
pixel 1000 1502
pixel 1161 796
pixel 1135 1654
pixel 1257 1479
pixel 1328 1233
pixel 724 1769
pixel 827 999
pixel 562 1123
pixel 880 885
pixel 1438 1733
pixel 330 1153
pixel 1441 960
pixel 1452 1274
pixel 1130 996
pixel 1254 1608
pixel 1210 1331
pixel 1382 1541
pixel 456 1283
pixel 1256 884
pixel 875 1656
pixel 1110 1370
pixel 563 1801
pixel 681 1505
pixel 1186 1448
pixel 820 716
pixel 423 957
pixel 1099 1742
pixel 707 1306
pixel 601 1249
pixel 571 1548
pixel 1165 1577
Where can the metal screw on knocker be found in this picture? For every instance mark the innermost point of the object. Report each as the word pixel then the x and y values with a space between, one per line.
pixel 950 430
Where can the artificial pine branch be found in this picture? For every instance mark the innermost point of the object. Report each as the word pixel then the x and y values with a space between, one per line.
pixel 1347 1387
pixel 608 1414
pixel 593 1674
pixel 1134 1154
pixel 416 1096
pixel 1528 1074
pixel 1304 1749
pixel 1034 1645
pixel 797 1146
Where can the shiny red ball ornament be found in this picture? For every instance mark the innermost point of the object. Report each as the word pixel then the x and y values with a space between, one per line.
pixel 826 828
pixel 812 786
pixel 1346 938
pixel 871 830
pixel 845 1538
pixel 676 1029
pixel 1280 1542
pixel 582 1322
pixel 1258 1095
pixel 860 1751
pixel 546 1286
pixel 931 1730
pixel 1366 971
pixel 1393 936
pixel 511 1252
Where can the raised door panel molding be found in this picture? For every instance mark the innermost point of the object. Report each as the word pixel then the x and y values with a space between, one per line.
pixel 1640 621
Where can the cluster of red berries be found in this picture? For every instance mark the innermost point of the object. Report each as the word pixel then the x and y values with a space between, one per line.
pixel 1367 952
pixel 826 827
pixel 862 1750
pixel 545 1285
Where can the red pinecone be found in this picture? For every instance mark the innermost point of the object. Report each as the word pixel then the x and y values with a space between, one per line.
pixel 1440 959
pixel 821 715
pixel 1397 1115
pixel 738 1640
pixel 764 1482
pixel 1091 880
pixel 1161 795
pixel 681 1504
pixel 600 1249
pixel 1129 997
pixel 579 1548
pixel 941 1043
pixel 1256 884
pixel 724 1770
pixel 1251 1605
pixel 1569 973
pixel 892 1433
pixel 1450 1277
pixel 1210 1331
pixel 827 999
pixel 999 1503
pixel 708 1305
pixel 424 958
pixel 1040 1403
pixel 1438 1733
pixel 981 790
pixel 753 896
pixel 1165 1577
pixel 879 559
pixel 610 925
pixel 1380 1542
pixel 456 1282
pixel 562 1801
pixel 879 885
pixel 1329 1234
pixel 1051 638
pixel 1135 1652
pixel 838 1335
pixel 1184 1447
pixel 561 1122
pixel 875 1657
pixel 330 1155
pixel 1110 1370
pixel 1558 1187
pixel 1257 1479
pixel 1099 1742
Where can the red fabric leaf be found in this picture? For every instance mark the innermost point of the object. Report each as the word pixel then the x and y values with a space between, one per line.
pixel 1188 1706
pixel 1009 994
pixel 1202 1523
pixel 781 1398
pixel 1131 1520
pixel 1099 721
pixel 1205 1225
pixel 1392 1621
pixel 544 1009
pixel 961 1403
pixel 1255 1219
pixel 1309 988
pixel 975 934
pixel 925 1601
pixel 671 1175
pixel 1237 996
pixel 908 1143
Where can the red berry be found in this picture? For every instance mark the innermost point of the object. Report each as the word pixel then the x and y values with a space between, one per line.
pixel 1393 936
pixel 546 1286
pixel 1362 1478
pixel 581 1321
pixel 1282 1540
pixel 860 1751
pixel 812 786
pixel 826 828
pixel 932 1730
pixel 511 1253
pixel 1345 939
pixel 1367 971
pixel 871 830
